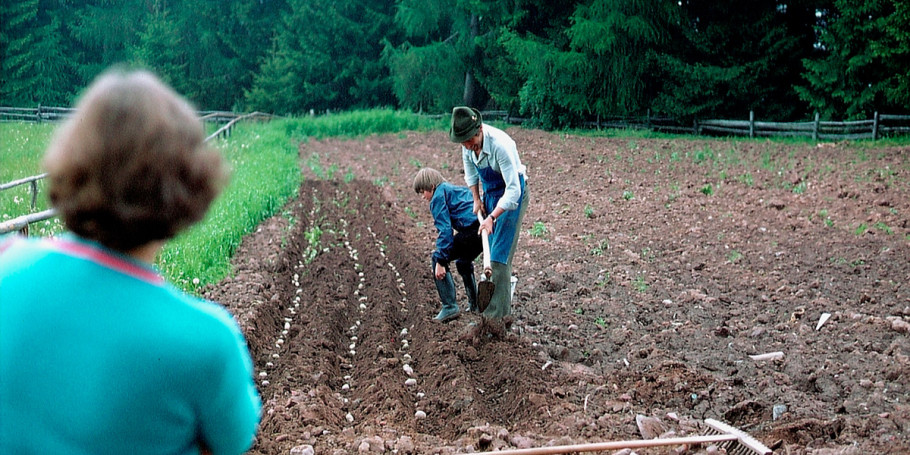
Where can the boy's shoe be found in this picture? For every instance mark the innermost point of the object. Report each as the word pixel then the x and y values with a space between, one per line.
pixel 447 314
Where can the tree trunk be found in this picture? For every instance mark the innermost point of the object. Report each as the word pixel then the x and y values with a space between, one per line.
pixel 474 94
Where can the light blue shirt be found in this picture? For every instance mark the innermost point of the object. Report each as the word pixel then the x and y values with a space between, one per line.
pixel 500 153
pixel 99 355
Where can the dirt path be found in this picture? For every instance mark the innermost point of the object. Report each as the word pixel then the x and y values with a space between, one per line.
pixel 649 272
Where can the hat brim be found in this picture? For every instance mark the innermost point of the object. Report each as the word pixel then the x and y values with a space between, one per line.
pixel 462 136
pixel 465 136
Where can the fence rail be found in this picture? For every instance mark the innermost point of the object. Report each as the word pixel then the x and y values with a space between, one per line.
pixel 40 114
pixel 876 128
pixel 53 114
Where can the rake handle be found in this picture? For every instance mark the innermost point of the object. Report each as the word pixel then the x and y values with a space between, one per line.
pixel 613 445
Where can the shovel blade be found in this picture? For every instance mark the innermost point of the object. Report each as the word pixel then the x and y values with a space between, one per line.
pixel 484 294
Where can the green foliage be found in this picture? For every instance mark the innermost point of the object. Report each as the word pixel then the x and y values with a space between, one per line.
pixel 556 63
pixel 725 59
pixel 265 174
pixel 160 47
pixel 326 57
pixel 617 38
pixel 35 60
pixel 427 78
pixel 359 123
pixel 865 66
pixel 21 148
pixel 640 284
pixel 549 93
pixel 538 230
pixel 589 211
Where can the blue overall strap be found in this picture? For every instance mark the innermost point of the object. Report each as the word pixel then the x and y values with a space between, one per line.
pixel 506 227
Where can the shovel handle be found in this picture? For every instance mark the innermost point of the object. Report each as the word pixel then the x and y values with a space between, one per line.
pixel 485 238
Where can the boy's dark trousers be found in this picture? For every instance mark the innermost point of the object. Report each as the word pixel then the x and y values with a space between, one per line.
pixel 466 247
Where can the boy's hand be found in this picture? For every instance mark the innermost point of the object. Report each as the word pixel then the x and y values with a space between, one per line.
pixel 478 208
pixel 440 271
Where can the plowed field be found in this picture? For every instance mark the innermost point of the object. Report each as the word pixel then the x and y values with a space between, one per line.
pixel 651 272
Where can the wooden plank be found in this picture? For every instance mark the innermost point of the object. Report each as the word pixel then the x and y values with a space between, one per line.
pixel 15 183
pixel 21 222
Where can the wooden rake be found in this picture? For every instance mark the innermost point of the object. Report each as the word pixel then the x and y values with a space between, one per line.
pixel 734 441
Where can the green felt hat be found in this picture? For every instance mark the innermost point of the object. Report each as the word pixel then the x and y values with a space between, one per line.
pixel 465 123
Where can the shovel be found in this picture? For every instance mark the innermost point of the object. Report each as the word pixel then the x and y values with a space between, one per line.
pixel 486 287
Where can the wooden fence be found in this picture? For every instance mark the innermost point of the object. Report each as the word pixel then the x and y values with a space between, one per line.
pixel 40 114
pixel 876 128
pixel 53 114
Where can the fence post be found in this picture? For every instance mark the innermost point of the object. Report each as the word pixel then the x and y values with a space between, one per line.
pixel 875 126
pixel 648 120
pixel 751 124
pixel 34 186
pixel 38 114
pixel 695 127
pixel 815 131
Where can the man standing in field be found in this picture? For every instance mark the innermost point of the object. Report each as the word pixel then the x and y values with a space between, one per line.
pixel 490 157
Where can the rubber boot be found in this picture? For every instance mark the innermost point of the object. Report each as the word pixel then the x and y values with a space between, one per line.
pixel 466 270
pixel 501 303
pixel 446 289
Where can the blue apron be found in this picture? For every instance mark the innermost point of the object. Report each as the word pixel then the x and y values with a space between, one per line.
pixel 506 228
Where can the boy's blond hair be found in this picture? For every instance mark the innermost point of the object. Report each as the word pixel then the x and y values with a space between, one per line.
pixel 427 179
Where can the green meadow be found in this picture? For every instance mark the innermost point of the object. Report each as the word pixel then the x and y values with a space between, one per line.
pixel 265 175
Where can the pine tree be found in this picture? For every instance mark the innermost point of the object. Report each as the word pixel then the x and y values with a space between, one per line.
pixel 35 66
pixel 865 67
pixel 329 53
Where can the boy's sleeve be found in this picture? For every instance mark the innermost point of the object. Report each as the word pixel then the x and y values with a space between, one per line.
pixel 442 219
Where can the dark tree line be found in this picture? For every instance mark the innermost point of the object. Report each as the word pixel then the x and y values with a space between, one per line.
pixel 556 63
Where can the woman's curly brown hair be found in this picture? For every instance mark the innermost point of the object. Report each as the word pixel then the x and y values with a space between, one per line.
pixel 131 165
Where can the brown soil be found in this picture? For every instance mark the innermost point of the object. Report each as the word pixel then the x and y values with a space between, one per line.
pixel 642 291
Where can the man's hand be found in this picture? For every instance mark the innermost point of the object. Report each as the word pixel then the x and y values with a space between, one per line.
pixel 487 225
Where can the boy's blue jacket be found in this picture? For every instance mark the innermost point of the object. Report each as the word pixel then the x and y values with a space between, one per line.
pixel 453 210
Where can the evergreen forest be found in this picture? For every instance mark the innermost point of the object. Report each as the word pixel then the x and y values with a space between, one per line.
pixel 555 63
